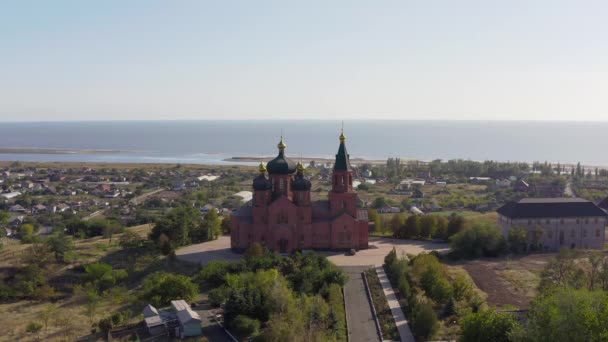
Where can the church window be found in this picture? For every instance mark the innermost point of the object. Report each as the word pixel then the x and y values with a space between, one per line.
pixel 587 221
pixel 550 234
pixel 578 221
pixel 281 185
pixel 597 233
pixel 561 221
pixel 596 220
pixel 584 232
pixel 343 204
pixel 572 233
pixel 343 180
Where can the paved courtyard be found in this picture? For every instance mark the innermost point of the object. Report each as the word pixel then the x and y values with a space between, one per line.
pixel 219 249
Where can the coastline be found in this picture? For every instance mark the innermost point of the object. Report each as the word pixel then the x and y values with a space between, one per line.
pixel 305 159
pixel 43 150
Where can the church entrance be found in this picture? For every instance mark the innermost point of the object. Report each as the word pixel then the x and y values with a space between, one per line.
pixel 561 238
pixel 283 245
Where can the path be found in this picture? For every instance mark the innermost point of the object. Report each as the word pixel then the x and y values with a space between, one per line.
pixel 393 303
pixel 361 325
pixel 568 192
pixel 141 198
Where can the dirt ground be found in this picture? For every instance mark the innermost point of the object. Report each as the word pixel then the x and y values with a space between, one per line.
pixel 509 281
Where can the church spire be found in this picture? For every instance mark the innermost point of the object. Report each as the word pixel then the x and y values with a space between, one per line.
pixel 342 158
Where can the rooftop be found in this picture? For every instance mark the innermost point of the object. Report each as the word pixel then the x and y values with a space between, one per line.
pixel 551 207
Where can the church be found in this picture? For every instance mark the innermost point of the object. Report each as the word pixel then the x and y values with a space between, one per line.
pixel 282 217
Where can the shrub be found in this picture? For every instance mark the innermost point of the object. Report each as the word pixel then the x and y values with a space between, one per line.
pixel 487 325
pixel 245 326
pixel 161 288
pixel 482 239
pixel 424 321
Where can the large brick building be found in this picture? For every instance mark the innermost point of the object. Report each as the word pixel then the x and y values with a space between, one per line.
pixel 564 222
pixel 282 216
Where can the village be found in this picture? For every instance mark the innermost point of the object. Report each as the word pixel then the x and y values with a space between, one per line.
pixel 43 201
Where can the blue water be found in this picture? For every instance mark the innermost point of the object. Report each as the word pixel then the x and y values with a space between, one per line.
pixel 209 142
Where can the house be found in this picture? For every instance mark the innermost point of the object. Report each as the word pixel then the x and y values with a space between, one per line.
pixel 389 210
pixel 103 187
pixel 556 222
pixel 441 183
pixel 522 186
pixel 206 208
pixel 10 195
pixel 27 185
pixel 503 183
pixel 16 209
pixel 150 311
pixel 416 211
pixel 479 179
pixel 62 207
pixel 424 175
pixel 189 320
pixel 178 185
pixel 15 221
pixel 603 203
pixel 417 193
pixel 111 194
pixel 39 209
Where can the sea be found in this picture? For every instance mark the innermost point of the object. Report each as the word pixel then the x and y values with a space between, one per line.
pixel 214 142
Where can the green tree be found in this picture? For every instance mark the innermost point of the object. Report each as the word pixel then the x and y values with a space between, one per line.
pixel 455 225
pixel 487 325
pixel 26 232
pixel 160 288
pixel 411 229
pixel 226 225
pixel 518 239
pixel 180 226
pixel 482 239
pixel 255 250
pixel 245 326
pixel 60 244
pixel 441 231
pixel 428 226
pixel 212 224
pixel 568 315
pixel 103 276
pixel 130 239
pixel 397 221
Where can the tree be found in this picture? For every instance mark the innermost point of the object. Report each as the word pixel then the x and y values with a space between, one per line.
pixel 111 228
pixel 411 228
pixel 4 217
pixel 26 232
pixel 180 226
pixel 160 288
pixel 424 321
pixel 397 221
pixel 487 325
pixel 428 226
pixel 245 326
pixel 441 230
pixel 595 261
pixel 568 315
pixel 60 244
pixel 518 239
pixel 455 225
pixel 482 239
pixel 254 250
pixel 212 224
pixel 226 224
pixel 103 276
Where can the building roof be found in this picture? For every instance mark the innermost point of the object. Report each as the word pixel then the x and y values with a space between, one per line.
pixel 551 207
pixel 179 305
pixel 186 316
pixel 153 321
pixel 150 311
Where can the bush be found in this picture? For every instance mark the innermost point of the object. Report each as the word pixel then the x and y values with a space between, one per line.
pixel 424 321
pixel 487 325
pixel 482 239
pixel 245 326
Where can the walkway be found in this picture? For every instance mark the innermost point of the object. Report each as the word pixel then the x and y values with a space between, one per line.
pixel 393 303
pixel 361 326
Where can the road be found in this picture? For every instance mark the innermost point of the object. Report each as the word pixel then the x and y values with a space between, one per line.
pixel 361 325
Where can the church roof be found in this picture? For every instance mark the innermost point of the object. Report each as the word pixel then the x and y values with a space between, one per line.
pixel 342 158
pixel 281 164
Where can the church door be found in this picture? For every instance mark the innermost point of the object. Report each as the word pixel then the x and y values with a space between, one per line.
pixel 283 246
pixel 561 238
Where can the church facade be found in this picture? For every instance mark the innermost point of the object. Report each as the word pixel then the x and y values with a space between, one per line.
pixel 282 217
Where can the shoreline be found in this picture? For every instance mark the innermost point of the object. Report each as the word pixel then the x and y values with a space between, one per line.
pixel 44 150
pixel 305 159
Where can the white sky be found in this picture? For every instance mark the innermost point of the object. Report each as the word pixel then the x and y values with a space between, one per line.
pixel 489 60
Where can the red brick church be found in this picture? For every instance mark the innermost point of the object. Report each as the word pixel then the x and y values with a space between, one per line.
pixel 282 216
